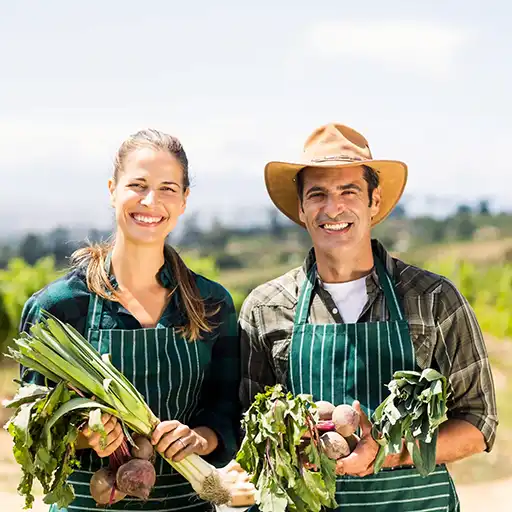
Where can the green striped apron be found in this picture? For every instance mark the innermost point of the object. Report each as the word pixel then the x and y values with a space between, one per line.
pixel 343 362
pixel 146 357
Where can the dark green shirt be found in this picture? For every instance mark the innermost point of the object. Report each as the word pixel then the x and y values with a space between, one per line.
pixel 68 299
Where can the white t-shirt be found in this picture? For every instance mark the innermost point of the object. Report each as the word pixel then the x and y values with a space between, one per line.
pixel 350 298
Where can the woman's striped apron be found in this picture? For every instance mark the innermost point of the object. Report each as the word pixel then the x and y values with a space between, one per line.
pixel 344 362
pixel 168 372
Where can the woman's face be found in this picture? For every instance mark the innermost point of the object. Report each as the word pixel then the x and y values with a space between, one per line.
pixel 149 196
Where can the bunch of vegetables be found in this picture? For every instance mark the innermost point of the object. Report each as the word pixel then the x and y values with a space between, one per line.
pixel 288 473
pixel 413 411
pixel 339 424
pixel 47 421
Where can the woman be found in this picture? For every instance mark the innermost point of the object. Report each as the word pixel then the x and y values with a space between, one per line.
pixel 170 331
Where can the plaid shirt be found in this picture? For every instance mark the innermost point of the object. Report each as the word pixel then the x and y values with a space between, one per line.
pixel 68 299
pixel 444 331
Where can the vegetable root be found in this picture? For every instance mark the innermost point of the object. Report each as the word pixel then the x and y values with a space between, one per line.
pixel 136 478
pixel 143 449
pixel 103 487
pixel 334 445
pixel 345 419
pixel 325 410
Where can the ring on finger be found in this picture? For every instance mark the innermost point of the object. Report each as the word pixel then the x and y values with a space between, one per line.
pixel 182 443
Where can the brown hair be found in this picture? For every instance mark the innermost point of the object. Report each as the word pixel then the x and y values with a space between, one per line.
pixel 93 256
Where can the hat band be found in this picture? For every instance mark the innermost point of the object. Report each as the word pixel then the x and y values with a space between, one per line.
pixel 337 158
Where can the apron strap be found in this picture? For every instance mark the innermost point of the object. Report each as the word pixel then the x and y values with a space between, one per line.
pixel 388 287
pixel 392 303
pixel 302 309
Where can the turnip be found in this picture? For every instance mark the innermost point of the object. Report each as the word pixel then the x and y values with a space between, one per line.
pixel 324 409
pixel 334 445
pixel 345 419
pixel 136 478
pixel 143 449
pixel 103 487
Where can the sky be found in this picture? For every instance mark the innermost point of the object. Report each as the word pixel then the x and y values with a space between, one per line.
pixel 425 82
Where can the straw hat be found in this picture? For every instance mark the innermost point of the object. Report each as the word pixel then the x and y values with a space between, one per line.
pixel 334 146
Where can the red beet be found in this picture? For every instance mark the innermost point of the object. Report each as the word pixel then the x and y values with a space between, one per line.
pixel 103 489
pixel 144 449
pixel 136 478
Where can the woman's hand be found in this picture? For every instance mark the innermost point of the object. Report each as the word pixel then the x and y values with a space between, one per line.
pixel 176 441
pixel 115 437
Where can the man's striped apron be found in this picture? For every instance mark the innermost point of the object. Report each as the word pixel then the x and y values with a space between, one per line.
pixel 344 362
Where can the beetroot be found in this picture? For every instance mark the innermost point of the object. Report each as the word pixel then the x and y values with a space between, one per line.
pixel 325 410
pixel 136 478
pixel 103 487
pixel 334 445
pixel 144 449
pixel 345 419
pixel 352 442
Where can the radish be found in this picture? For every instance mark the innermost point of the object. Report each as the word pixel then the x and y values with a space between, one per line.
pixel 103 487
pixel 136 478
pixel 345 419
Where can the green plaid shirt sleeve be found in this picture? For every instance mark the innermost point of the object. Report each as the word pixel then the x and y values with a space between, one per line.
pixel 461 354
pixel 443 329
pixel 255 353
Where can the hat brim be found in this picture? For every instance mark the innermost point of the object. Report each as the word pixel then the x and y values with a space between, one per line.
pixel 281 187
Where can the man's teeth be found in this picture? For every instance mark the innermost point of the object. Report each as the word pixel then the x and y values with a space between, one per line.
pixel 146 219
pixel 336 227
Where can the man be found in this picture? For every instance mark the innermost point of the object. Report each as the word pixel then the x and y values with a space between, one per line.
pixel 343 323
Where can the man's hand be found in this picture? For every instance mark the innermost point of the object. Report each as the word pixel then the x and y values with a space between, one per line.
pixel 175 441
pixel 360 462
pixel 115 437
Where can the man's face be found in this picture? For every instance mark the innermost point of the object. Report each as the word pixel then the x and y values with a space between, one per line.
pixel 336 207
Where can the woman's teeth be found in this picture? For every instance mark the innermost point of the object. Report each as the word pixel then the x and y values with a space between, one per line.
pixel 146 219
pixel 336 227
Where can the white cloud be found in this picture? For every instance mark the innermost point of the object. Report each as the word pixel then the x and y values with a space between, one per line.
pixel 426 47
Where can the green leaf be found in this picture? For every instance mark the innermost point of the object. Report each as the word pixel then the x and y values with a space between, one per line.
pixel 430 375
pixel 26 394
pixel 379 460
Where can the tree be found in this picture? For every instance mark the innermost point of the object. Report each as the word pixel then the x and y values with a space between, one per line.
pixel 463 223
pixel 60 245
pixel 484 207
pixel 32 248
pixel 275 226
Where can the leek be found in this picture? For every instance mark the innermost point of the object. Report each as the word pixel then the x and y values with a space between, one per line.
pixel 60 353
